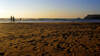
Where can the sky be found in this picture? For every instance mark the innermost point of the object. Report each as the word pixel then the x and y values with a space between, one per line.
pixel 48 8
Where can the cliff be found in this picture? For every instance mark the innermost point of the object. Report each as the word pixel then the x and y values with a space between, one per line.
pixel 92 17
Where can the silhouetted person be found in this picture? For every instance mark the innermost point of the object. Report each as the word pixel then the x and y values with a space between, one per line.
pixel 20 19
pixel 11 18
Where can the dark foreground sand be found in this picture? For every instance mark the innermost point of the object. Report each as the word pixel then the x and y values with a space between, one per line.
pixel 50 39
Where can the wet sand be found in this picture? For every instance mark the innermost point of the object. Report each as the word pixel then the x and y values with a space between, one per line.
pixel 49 39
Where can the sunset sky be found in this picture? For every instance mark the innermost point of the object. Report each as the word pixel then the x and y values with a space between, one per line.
pixel 48 8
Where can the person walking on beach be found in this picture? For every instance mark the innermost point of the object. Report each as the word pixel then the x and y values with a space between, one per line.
pixel 20 19
pixel 12 18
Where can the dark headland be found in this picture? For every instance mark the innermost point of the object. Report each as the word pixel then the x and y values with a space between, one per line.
pixel 93 17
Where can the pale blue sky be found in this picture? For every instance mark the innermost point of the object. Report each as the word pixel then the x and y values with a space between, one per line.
pixel 48 8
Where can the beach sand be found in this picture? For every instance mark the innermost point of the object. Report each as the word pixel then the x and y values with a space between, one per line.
pixel 49 39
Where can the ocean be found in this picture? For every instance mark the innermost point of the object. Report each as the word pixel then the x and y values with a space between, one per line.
pixel 48 20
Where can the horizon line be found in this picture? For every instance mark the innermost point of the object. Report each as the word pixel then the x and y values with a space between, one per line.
pixel 45 18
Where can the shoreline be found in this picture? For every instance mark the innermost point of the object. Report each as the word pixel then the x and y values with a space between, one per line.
pixel 44 22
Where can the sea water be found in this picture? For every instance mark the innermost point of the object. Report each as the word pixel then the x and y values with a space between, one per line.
pixel 47 20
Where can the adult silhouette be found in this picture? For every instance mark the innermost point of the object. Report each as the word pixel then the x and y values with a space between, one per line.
pixel 20 19
pixel 12 18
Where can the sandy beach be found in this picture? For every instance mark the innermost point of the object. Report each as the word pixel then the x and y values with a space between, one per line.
pixel 49 39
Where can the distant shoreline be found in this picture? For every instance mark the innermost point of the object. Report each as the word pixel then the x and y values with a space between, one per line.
pixel 51 21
